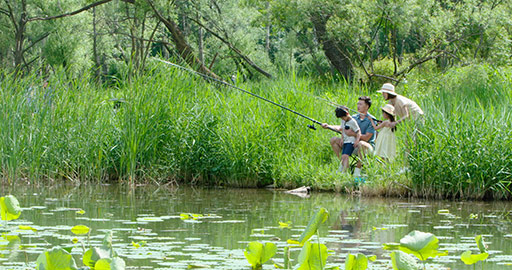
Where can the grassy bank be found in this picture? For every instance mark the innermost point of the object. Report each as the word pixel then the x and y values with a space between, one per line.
pixel 167 126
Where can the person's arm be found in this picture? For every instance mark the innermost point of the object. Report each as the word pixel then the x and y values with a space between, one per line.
pixel 358 138
pixel 381 125
pixel 327 126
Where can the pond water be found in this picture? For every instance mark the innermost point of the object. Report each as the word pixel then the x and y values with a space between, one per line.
pixel 149 232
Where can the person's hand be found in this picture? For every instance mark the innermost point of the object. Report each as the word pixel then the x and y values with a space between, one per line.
pixel 356 143
pixel 325 125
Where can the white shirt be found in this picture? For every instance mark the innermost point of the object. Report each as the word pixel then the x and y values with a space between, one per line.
pixel 353 126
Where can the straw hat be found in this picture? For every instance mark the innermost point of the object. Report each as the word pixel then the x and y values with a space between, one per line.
pixel 389 109
pixel 387 88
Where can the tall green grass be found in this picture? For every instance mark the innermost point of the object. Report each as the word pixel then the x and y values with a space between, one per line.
pixel 169 126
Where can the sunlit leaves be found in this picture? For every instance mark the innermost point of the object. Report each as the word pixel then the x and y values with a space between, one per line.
pixel 312 256
pixel 403 261
pixel 80 230
pixel 469 258
pixel 257 253
pixel 422 245
pixel 57 258
pixel 359 262
pixel 320 217
pixel 9 208
pixel 115 263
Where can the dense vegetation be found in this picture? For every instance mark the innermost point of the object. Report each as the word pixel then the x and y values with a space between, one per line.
pixel 83 99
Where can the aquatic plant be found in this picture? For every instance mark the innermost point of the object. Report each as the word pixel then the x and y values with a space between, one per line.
pixel 358 262
pixel 56 258
pixel 469 258
pixel 403 261
pixel 257 253
pixel 9 208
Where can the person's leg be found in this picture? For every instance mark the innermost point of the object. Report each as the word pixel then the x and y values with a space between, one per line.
pixel 336 145
pixel 362 150
pixel 344 161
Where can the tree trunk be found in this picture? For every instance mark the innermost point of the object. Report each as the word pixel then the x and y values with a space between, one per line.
pixel 336 57
pixel 96 58
pixel 200 43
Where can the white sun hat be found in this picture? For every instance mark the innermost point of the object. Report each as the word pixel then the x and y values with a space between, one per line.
pixel 387 88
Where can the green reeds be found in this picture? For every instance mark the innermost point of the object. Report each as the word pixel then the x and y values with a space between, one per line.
pixel 168 125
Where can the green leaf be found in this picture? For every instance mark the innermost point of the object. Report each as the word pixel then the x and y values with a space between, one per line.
pixel 422 245
pixel 312 256
pixel 269 251
pixel 80 230
pixel 115 263
pixel 403 261
pixel 359 262
pixel 93 255
pixel 57 258
pixel 469 258
pixel 480 243
pixel 9 208
pixel 319 218
pixel 253 253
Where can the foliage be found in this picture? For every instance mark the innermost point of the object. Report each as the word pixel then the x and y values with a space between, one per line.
pixel 257 253
pixel 420 244
pixel 469 258
pixel 359 262
pixel 9 208
pixel 56 258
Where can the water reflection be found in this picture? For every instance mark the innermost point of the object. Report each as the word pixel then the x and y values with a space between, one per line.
pixel 234 217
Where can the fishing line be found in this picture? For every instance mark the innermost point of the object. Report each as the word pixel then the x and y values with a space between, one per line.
pixel 247 92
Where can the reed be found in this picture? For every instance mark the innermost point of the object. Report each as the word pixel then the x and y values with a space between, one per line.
pixel 169 126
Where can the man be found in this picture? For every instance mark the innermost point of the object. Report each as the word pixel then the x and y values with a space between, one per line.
pixel 367 141
pixel 404 107
pixel 349 142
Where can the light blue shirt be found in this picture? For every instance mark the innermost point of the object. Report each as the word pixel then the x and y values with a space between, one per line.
pixel 366 126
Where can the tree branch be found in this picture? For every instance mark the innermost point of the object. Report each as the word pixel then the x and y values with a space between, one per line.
pixel 237 51
pixel 76 11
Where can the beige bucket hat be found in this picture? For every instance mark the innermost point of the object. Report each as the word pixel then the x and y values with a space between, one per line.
pixel 387 88
pixel 389 109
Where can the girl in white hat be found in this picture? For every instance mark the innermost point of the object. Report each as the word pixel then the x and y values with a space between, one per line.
pixel 385 145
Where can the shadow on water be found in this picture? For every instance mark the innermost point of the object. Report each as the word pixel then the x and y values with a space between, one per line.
pixel 151 232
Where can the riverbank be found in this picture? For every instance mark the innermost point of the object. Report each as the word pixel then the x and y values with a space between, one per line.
pixel 167 127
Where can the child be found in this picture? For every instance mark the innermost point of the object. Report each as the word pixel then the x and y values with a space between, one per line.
pixel 349 142
pixel 385 145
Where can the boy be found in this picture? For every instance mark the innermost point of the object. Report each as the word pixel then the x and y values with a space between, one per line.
pixel 349 142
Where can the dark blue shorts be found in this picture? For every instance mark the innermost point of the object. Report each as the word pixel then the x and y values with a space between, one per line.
pixel 348 149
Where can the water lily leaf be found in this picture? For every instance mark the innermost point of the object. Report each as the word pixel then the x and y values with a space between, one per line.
pixel 115 263
pixel 80 230
pixel 359 262
pixel 312 256
pixel 253 253
pixel 80 212
pixel 9 208
pixel 194 266
pixel 257 253
pixel 319 218
pixel 27 228
pixel 391 246
pixel 403 261
pixel 480 243
pixel 94 254
pixel 285 224
pixel 57 258
pixel 422 245
pixel 469 258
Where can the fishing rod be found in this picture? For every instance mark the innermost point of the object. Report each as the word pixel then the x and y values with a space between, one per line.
pixel 247 92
